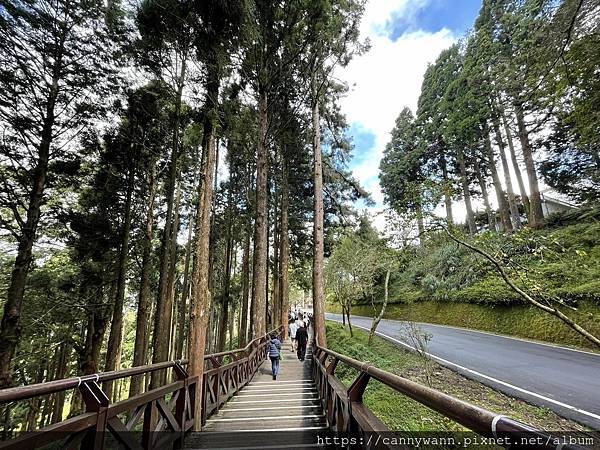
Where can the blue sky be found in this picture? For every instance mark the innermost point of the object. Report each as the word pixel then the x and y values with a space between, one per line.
pixel 405 36
pixel 457 16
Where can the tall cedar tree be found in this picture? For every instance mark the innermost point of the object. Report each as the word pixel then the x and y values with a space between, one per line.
pixel 55 59
pixel 221 22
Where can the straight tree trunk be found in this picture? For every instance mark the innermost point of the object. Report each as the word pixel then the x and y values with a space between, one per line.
pixel 284 251
pixel 377 319
pixel 96 329
pixel 181 327
pixel 211 346
pixel 33 410
pixel 515 164
pixel 113 350
pixel 234 317
pixel 420 224
pixel 172 275
pixel 259 271
pixel 213 255
pixel 512 201
pixel 201 296
pixel 10 326
pixel 500 195
pixel 224 318
pixel 61 372
pixel 268 316
pixel 211 328
pixel 318 239
pixel 245 284
pixel 536 215
pixel 76 400
pixel 172 329
pixel 347 310
pixel 275 299
pixel 143 313
pixel 447 194
pixel 466 191
pixel 231 327
pixel 49 400
pixel 160 337
pixel 484 193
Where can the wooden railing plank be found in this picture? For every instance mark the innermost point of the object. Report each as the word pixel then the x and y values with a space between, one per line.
pixel 221 382
pixel 123 435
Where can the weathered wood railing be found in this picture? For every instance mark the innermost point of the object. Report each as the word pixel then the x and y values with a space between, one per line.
pixel 157 418
pixel 230 372
pixel 346 412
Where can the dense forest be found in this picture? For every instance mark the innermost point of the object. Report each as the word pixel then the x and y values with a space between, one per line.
pixel 508 110
pixel 165 167
pixel 523 83
pixel 171 171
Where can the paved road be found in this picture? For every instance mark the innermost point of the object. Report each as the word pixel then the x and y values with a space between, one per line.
pixel 564 380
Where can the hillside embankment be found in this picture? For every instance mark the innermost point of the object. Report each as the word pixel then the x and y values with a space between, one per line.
pixel 444 283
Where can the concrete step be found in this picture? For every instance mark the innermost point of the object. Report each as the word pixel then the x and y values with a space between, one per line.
pixel 267 423
pixel 275 409
pixel 259 440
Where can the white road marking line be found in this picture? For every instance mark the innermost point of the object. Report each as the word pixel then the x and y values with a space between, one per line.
pixel 267 408
pixel 247 419
pixel 495 380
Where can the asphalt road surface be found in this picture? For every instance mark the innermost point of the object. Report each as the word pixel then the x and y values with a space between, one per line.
pixel 564 380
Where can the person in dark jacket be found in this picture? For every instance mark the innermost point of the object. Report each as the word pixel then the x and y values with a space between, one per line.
pixel 302 340
pixel 274 348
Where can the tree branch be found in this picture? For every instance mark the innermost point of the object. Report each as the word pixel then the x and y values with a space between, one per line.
pixel 549 309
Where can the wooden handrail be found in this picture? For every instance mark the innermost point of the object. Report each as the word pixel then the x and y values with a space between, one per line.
pixel 361 419
pixel 51 387
pixel 171 407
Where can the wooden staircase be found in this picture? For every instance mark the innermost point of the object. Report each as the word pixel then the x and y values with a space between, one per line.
pixel 269 414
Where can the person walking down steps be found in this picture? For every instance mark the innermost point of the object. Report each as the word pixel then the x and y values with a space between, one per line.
pixel 292 329
pixel 302 339
pixel 274 354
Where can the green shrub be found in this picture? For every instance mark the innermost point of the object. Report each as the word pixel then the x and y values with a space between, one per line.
pixel 551 263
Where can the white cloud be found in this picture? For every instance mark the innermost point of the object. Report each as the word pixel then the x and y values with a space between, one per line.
pixel 387 78
pixel 380 13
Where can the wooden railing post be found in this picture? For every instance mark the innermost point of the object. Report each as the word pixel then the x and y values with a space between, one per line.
pixel 181 403
pixel 217 388
pixel 202 394
pixel 150 421
pixel 357 389
pixel 331 367
pixel 324 389
pixel 191 396
pixel 95 401
pixel 355 395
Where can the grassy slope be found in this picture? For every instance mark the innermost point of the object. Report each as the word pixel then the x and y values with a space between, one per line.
pixel 401 413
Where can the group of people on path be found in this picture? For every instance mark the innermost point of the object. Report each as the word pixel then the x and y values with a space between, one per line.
pixel 298 331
